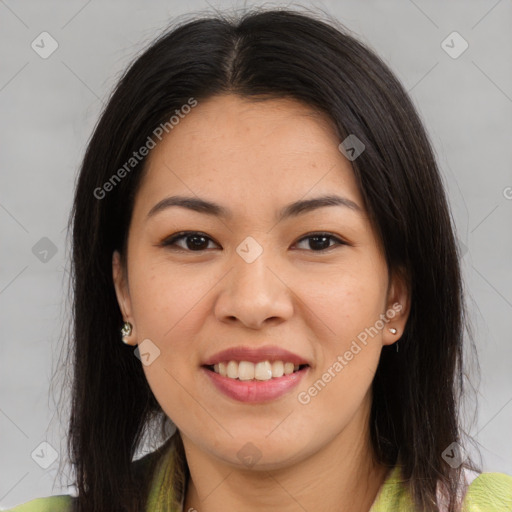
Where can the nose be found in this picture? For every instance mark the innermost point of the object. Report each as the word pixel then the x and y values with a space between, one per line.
pixel 254 294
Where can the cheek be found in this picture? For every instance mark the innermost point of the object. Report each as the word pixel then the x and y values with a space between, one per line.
pixel 348 348
pixel 347 302
pixel 166 302
pixel 169 309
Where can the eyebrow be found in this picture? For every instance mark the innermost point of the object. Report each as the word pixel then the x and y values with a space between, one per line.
pixel 291 210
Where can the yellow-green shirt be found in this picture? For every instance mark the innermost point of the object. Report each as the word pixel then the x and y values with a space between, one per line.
pixel 486 492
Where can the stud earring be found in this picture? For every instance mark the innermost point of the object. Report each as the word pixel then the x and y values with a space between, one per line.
pixel 125 332
pixel 392 330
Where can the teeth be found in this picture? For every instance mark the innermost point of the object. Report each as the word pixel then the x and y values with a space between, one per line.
pixel 232 370
pixel 288 368
pixel 262 371
pixel 245 370
pixel 277 369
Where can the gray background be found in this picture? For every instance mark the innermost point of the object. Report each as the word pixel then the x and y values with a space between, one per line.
pixel 49 108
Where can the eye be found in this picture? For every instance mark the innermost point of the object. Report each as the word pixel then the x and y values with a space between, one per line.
pixel 195 241
pixel 319 242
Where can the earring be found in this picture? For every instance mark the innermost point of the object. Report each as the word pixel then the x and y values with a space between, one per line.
pixel 392 330
pixel 125 332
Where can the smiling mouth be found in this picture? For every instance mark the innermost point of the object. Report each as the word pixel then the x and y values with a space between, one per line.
pixel 261 371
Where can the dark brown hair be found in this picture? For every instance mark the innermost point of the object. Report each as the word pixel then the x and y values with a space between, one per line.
pixel 270 54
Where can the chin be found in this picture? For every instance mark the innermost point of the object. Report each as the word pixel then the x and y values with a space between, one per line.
pixel 260 453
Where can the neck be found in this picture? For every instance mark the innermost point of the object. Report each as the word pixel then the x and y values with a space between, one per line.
pixel 340 477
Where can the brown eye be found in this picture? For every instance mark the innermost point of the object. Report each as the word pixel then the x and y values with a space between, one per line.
pixel 319 242
pixel 193 241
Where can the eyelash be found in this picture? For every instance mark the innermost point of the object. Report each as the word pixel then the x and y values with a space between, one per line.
pixel 169 242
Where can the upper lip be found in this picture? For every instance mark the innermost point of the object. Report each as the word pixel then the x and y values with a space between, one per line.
pixel 255 355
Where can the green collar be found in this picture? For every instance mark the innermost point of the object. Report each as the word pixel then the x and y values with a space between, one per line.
pixel 491 492
pixel 392 495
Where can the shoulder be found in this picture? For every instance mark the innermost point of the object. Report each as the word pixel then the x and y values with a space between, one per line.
pixel 491 492
pixel 65 503
pixel 482 492
pixel 62 503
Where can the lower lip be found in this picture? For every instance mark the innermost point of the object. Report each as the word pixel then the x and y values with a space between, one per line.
pixel 256 390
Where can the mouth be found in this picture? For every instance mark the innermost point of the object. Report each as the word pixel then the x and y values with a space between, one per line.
pixel 255 374
pixel 255 383
pixel 255 371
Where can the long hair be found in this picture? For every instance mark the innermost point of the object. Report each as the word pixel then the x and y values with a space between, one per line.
pixel 260 55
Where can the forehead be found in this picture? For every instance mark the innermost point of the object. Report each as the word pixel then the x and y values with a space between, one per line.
pixel 240 150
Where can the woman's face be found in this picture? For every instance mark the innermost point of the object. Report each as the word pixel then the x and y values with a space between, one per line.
pixel 251 276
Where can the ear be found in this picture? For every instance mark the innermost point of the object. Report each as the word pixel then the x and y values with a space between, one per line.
pixel 398 305
pixel 122 292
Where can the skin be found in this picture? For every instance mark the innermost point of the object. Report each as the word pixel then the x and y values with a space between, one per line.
pixel 254 158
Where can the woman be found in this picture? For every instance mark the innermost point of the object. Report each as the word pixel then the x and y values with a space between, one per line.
pixel 260 212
